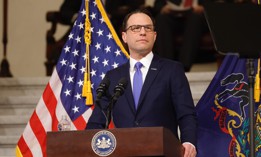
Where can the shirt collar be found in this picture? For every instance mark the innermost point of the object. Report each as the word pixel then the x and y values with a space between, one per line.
pixel 145 61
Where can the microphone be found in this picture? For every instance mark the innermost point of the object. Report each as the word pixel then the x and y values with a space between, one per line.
pixel 102 88
pixel 119 89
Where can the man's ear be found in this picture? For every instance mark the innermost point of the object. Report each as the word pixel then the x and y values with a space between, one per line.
pixel 155 36
pixel 123 36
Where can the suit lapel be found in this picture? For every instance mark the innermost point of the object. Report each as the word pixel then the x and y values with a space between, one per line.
pixel 128 91
pixel 151 75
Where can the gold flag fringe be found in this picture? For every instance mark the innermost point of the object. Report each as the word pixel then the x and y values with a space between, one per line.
pixel 86 90
pixel 257 83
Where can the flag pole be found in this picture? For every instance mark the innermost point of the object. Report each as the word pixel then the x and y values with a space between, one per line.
pixel 251 80
pixel 86 91
pixel 4 69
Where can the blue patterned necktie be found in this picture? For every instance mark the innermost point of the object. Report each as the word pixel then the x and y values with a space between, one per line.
pixel 137 83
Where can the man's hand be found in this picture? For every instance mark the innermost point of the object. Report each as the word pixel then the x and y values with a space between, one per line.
pixel 189 150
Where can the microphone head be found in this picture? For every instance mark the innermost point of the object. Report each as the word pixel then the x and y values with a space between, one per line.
pixel 105 83
pixel 123 82
pixel 119 89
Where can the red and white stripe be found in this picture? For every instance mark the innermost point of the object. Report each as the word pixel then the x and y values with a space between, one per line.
pixel 44 119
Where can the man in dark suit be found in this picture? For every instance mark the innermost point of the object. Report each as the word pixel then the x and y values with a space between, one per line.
pixel 165 98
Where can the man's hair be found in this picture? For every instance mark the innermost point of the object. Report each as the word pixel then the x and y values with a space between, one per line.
pixel 144 11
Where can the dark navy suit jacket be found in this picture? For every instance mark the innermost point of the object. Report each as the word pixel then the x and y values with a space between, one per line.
pixel 165 100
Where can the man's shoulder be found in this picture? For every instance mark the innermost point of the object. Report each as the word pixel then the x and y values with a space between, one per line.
pixel 167 62
pixel 124 66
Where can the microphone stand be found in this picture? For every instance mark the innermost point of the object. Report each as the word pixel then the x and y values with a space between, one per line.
pixel 118 91
pixel 109 111
pixel 107 115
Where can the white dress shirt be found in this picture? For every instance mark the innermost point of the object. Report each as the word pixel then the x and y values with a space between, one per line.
pixel 146 61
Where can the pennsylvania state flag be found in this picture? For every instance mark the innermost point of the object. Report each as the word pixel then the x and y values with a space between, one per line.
pixel 223 113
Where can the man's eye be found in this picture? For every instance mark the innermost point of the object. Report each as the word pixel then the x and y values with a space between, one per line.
pixel 148 28
pixel 136 27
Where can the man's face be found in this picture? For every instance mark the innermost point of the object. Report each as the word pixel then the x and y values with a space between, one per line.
pixel 140 35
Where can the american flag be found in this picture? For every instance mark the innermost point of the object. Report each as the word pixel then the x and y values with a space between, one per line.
pixel 63 93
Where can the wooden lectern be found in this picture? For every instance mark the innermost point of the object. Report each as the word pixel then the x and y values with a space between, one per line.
pixel 147 141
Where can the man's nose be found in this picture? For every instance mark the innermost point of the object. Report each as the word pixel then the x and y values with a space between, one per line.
pixel 142 30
